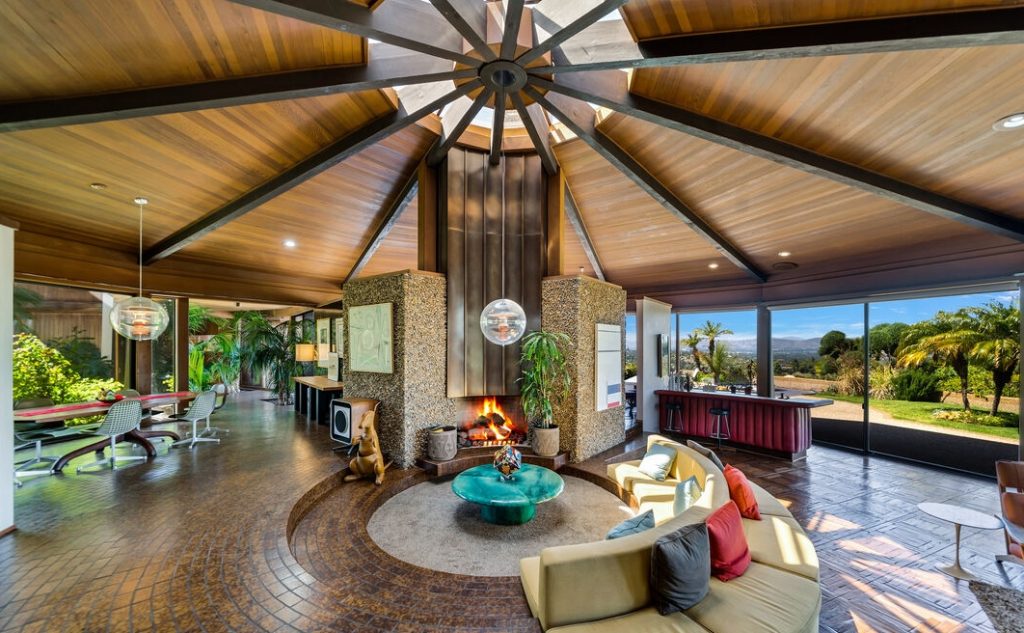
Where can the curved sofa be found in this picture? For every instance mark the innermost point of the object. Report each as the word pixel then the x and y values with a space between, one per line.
pixel 603 587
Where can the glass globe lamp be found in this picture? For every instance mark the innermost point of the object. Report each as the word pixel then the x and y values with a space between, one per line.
pixel 139 318
pixel 503 322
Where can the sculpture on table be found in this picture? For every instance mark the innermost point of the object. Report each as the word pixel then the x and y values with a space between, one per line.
pixel 369 462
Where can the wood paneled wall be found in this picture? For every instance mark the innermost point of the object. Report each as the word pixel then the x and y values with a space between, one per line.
pixel 493 246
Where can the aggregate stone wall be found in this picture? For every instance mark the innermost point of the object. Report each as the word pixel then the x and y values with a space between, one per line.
pixel 575 305
pixel 413 398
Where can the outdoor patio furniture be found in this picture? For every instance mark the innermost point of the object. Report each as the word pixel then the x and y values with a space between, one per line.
pixel 24 437
pixel 1010 478
pixel 201 409
pixel 220 391
pixel 123 417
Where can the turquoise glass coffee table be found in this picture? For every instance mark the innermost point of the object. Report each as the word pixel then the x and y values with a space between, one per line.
pixel 508 502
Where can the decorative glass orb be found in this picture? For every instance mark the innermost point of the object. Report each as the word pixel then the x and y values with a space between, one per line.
pixel 139 318
pixel 503 322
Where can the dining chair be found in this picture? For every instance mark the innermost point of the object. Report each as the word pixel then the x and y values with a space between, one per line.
pixel 200 409
pixel 122 417
pixel 220 399
pixel 25 438
pixel 1010 479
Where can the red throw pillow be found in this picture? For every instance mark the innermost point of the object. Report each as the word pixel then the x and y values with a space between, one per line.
pixel 742 493
pixel 730 555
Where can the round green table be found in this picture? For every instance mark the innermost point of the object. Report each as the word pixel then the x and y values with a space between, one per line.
pixel 508 502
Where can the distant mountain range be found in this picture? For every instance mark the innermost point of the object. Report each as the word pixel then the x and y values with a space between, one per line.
pixel 779 345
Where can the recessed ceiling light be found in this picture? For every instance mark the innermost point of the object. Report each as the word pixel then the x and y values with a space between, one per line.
pixel 1011 122
pixel 289 243
pixel 141 200
pixel 712 265
pixel 784 253
pixel 97 186
pixel 784 265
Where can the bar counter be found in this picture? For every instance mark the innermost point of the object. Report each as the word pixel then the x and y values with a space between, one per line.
pixel 767 425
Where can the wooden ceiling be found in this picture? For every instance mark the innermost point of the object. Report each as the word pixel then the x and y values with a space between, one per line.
pixel 922 118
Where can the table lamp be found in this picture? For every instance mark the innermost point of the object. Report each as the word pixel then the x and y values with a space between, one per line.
pixel 305 352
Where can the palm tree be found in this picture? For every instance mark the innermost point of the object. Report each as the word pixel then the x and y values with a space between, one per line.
pixel 949 338
pixel 692 340
pixel 717 361
pixel 998 325
pixel 712 331
pixel 270 349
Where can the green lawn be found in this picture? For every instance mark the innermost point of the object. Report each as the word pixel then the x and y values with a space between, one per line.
pixel 922 412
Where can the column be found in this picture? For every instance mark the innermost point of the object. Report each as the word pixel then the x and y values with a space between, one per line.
pixel 765 362
pixel 6 379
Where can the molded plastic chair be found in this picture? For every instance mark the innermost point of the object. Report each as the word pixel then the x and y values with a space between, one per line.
pixel 123 416
pixel 1010 478
pixel 220 399
pixel 201 409
pixel 25 438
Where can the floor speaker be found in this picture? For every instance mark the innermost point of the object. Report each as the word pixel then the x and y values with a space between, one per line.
pixel 345 416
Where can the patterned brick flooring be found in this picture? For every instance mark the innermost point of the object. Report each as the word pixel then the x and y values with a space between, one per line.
pixel 198 541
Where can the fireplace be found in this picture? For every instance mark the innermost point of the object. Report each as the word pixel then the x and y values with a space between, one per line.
pixel 491 421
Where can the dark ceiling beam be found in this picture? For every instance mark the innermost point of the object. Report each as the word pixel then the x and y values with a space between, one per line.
pixel 537 127
pixel 510 34
pixel 388 66
pixel 410 24
pixel 469 17
pixel 321 161
pixel 610 89
pixel 405 196
pixel 454 122
pixel 498 127
pixel 562 19
pixel 579 117
pixel 572 213
pixel 955 29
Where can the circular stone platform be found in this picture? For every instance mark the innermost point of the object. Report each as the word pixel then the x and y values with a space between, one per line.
pixel 428 526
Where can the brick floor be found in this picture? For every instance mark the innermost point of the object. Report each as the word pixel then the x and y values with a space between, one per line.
pixel 199 541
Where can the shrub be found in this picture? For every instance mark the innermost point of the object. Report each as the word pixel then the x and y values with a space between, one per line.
pixel 42 372
pixel 882 383
pixel 976 417
pixel 918 385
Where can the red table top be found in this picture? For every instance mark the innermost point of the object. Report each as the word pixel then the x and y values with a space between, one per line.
pixel 63 412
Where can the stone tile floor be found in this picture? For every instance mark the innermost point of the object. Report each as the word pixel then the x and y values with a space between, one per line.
pixel 198 541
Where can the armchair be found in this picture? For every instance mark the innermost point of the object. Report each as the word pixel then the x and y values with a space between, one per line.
pixel 1010 478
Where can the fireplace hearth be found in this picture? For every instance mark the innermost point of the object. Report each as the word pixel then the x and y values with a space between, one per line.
pixel 491 421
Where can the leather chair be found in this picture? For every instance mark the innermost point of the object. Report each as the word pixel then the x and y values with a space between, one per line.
pixel 1010 478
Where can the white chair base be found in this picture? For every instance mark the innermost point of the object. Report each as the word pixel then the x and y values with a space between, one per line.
pixel 196 437
pixel 1009 558
pixel 27 468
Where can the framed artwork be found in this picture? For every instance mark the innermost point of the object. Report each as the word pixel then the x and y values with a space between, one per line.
pixel 323 342
pixel 370 339
pixel 333 366
pixel 339 336
pixel 608 388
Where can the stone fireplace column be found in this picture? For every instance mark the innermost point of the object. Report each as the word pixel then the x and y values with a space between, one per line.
pixel 575 305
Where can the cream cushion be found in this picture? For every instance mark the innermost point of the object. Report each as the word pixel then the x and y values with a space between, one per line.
pixel 645 620
pixel 529 572
pixel 780 542
pixel 763 599
pixel 767 504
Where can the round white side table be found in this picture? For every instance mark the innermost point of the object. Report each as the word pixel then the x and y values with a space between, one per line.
pixel 959 516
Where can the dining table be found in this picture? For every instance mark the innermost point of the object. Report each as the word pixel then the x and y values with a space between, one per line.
pixel 61 413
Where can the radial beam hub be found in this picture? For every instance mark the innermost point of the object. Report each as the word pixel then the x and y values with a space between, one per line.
pixel 503 75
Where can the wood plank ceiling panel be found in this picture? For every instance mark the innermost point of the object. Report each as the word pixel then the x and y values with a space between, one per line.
pixel 764 208
pixel 398 250
pixel 574 256
pixel 74 47
pixel 331 216
pixel 922 117
pixel 640 242
pixel 659 18
pixel 186 164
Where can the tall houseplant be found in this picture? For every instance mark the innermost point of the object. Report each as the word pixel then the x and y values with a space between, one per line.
pixel 545 383
pixel 270 350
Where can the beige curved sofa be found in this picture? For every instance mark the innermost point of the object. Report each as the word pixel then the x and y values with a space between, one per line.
pixel 603 586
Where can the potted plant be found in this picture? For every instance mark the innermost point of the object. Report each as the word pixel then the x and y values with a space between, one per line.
pixel 545 382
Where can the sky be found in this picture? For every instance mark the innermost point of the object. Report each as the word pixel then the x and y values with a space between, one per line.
pixel 813 322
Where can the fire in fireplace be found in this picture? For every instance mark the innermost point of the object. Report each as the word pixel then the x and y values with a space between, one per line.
pixel 490 422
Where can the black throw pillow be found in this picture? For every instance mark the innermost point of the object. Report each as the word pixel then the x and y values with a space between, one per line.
pixel 681 568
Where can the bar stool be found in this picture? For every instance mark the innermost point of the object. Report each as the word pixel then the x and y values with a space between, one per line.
pixel 720 415
pixel 674 408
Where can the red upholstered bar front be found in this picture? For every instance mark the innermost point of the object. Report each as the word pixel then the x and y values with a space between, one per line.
pixel 774 425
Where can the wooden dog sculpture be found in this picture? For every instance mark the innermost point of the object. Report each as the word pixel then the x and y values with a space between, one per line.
pixel 369 462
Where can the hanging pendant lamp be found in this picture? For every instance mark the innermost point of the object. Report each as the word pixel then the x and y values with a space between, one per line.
pixel 139 318
pixel 503 321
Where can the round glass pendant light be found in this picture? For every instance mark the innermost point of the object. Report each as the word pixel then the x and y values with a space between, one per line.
pixel 139 318
pixel 503 322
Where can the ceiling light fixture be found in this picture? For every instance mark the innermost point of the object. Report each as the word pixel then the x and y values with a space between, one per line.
pixel 784 253
pixel 97 186
pixel 712 265
pixel 289 244
pixel 139 318
pixel 1012 122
